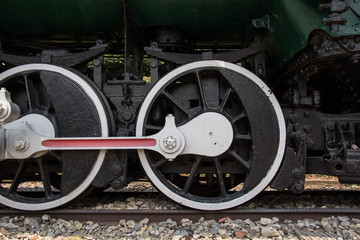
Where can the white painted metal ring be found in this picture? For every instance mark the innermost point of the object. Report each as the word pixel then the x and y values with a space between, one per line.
pixel 271 172
pixel 90 92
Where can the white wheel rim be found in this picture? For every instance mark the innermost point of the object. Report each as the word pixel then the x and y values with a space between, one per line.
pixel 104 128
pixel 271 172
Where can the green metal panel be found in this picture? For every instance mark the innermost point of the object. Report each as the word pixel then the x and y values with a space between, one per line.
pixel 293 20
pixel 202 19
pixel 352 26
pixel 286 23
pixel 60 17
pixel 355 6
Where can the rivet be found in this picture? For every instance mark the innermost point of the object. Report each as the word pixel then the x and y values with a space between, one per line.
pixel 169 142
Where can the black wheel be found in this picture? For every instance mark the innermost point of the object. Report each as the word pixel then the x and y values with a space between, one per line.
pixel 247 167
pixel 74 109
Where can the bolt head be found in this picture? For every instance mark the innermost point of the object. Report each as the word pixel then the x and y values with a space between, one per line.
pixel 344 41
pixel 298 173
pixel 293 118
pixel 302 136
pixel 307 128
pixel 20 144
pixel 169 142
pixel 299 187
pixel 330 127
pixel 117 184
pixel 153 64
pixel 307 114
pixel 117 170
pixel 351 46
pixel 97 62
pixel 127 115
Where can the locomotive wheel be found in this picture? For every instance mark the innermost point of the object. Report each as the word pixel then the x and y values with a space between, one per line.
pixel 252 160
pixel 75 109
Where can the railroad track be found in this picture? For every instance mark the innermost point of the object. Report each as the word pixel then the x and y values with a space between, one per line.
pixel 302 223
pixel 111 216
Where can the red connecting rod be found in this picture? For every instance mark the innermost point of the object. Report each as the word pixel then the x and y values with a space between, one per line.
pixel 97 143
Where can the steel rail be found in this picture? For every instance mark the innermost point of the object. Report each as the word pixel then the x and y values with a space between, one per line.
pixel 108 216
pixel 113 216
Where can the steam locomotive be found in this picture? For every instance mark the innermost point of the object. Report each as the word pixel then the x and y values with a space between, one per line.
pixel 211 100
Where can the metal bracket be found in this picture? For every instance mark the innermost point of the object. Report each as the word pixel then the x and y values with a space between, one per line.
pixel 62 58
pixel 301 97
pixel 263 22
pixel 184 58
pixel 335 8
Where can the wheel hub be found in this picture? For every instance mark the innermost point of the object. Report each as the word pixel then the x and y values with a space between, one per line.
pixel 21 138
pixel 210 134
pixel 169 142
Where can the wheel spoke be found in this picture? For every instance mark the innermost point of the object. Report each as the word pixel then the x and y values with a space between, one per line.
pixel 191 177
pixel 177 104
pixel 152 127
pixel 235 156
pixel 45 178
pixel 17 179
pixel 159 163
pixel 29 98
pixel 245 137
pixel 220 178
pixel 201 90
pixel 57 157
pixel 225 99
pixel 238 117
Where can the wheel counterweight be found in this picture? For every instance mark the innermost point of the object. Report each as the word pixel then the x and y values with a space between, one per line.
pixel 256 152
pixel 74 108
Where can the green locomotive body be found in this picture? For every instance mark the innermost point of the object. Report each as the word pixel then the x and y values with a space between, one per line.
pixel 286 23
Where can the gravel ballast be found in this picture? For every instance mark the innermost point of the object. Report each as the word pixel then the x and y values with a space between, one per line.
pixel 48 228
pixel 271 200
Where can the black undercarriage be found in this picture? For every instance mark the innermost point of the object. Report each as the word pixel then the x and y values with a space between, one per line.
pixel 318 91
